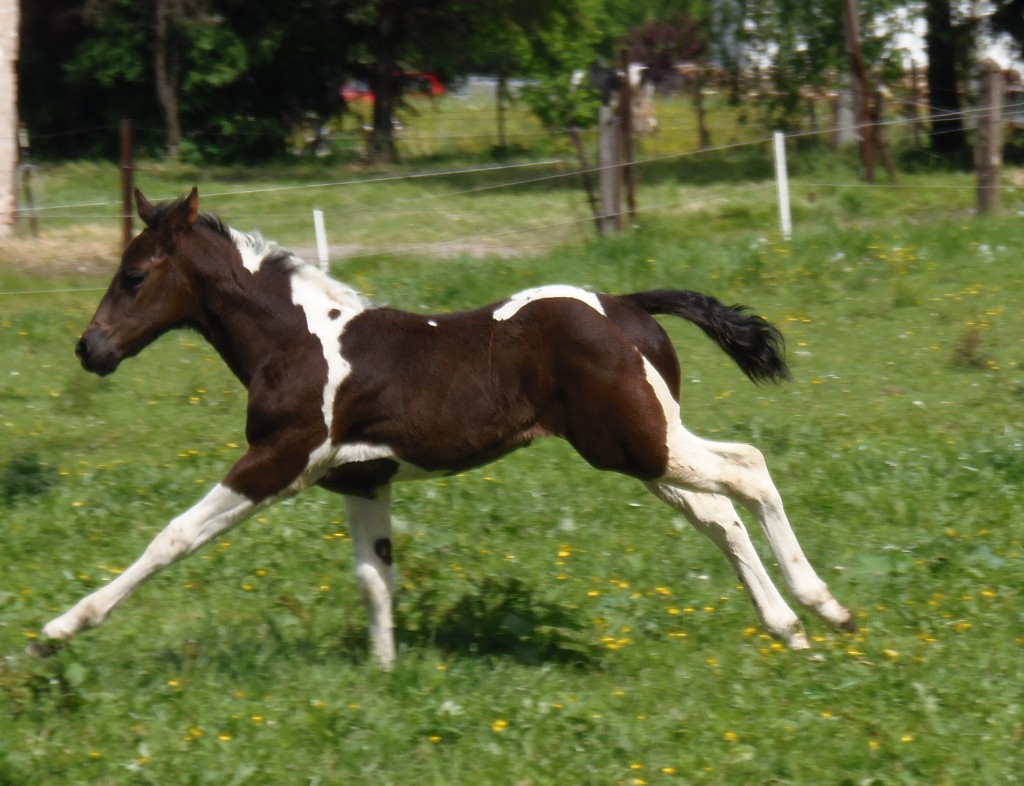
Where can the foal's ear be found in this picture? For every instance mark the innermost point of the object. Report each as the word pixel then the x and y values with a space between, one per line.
pixel 178 220
pixel 184 214
pixel 192 201
pixel 146 209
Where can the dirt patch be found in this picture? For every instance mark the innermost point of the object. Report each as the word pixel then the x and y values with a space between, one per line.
pixel 443 250
pixel 87 249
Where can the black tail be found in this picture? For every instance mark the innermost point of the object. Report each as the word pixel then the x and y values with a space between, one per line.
pixel 755 344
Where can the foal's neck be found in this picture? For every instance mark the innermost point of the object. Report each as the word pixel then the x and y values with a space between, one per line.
pixel 260 304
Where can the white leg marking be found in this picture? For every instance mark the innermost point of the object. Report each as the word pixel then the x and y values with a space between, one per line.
pixel 715 517
pixel 740 473
pixel 370 526
pixel 216 513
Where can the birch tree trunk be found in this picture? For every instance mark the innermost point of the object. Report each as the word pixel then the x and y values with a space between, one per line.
pixel 8 112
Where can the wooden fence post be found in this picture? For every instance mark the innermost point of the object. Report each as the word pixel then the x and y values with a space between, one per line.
pixel 626 136
pixel 609 161
pixel 988 137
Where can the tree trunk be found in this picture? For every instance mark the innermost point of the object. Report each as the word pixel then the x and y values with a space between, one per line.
pixel 387 89
pixel 8 112
pixel 501 96
pixel 947 134
pixel 168 70
pixel 703 135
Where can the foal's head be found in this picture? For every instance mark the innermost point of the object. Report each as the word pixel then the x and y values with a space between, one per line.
pixel 152 290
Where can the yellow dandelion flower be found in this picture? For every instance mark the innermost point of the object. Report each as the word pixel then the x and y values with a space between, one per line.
pixel 499 725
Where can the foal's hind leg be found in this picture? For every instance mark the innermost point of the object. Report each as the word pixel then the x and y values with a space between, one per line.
pixel 369 523
pixel 715 517
pixel 739 472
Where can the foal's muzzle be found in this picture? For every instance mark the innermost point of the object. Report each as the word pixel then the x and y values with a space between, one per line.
pixel 97 352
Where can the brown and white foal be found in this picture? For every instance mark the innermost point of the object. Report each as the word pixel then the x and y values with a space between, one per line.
pixel 352 397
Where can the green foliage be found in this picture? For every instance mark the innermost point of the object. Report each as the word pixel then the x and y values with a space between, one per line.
pixel 1008 17
pixel 96 60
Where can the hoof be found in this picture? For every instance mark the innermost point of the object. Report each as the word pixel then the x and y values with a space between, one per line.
pixel 849 625
pixel 798 641
pixel 44 649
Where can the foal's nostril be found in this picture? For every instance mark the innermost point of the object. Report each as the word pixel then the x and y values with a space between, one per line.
pixel 97 353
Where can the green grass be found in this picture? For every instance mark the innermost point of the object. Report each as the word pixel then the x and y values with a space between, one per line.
pixel 556 625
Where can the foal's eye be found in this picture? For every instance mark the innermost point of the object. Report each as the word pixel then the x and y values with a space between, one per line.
pixel 133 279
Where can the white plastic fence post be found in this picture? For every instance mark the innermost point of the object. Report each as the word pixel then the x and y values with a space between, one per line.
pixel 321 239
pixel 782 186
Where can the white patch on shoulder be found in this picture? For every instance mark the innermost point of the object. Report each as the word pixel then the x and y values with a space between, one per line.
pixel 252 247
pixel 328 306
pixel 432 322
pixel 512 306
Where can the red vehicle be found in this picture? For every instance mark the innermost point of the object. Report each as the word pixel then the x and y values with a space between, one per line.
pixel 420 83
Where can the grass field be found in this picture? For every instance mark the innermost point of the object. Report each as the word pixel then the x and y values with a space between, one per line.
pixel 556 625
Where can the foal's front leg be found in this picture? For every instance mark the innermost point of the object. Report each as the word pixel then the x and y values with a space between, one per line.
pixel 216 513
pixel 369 522
pixel 269 471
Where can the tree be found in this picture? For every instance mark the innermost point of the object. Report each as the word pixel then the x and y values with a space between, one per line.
pixel 68 81
pixel 454 37
pixel 8 113
pixel 521 38
pixel 943 46
pixel 167 67
pixel 802 45
pixel 1008 17
pixel 661 45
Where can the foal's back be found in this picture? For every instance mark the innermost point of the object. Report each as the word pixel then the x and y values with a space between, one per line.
pixel 454 391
